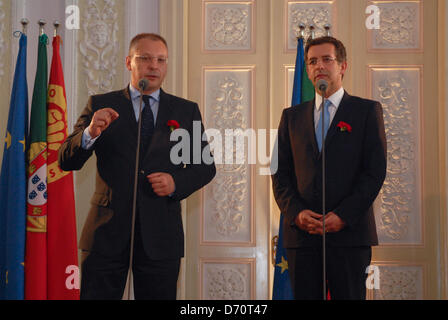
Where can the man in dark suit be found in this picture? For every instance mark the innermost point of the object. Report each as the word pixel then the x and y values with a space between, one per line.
pixel 108 127
pixel 355 147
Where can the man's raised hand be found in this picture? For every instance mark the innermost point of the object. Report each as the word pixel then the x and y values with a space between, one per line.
pixel 101 121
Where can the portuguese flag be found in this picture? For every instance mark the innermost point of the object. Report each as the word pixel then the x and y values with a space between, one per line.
pixel 62 255
pixel 36 225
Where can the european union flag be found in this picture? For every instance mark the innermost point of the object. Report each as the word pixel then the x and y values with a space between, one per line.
pixel 303 91
pixel 282 284
pixel 13 186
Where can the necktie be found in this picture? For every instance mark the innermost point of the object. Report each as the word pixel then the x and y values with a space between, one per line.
pixel 147 125
pixel 326 124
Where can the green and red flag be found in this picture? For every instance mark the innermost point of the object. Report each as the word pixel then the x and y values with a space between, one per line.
pixel 36 225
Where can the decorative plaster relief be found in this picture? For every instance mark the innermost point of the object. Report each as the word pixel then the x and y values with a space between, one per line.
pixel 99 46
pixel 227 213
pixel 400 282
pixel 400 26
pixel 398 207
pixel 226 280
pixel 227 26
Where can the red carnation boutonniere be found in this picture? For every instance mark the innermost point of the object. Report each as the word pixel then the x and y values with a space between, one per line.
pixel 173 124
pixel 344 126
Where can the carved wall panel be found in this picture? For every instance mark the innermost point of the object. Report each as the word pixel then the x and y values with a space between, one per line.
pixel 227 279
pixel 401 26
pixel 227 216
pixel 318 13
pixel 228 26
pixel 399 282
pixel 100 45
pixel 398 208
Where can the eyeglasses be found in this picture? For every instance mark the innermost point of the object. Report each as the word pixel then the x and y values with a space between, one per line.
pixel 325 60
pixel 147 59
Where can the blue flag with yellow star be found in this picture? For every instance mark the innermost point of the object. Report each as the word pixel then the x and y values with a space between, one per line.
pixel 303 91
pixel 13 186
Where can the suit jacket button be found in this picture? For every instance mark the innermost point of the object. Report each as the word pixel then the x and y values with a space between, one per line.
pixel 142 171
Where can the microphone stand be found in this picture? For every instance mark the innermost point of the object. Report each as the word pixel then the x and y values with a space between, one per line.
pixel 324 264
pixel 134 200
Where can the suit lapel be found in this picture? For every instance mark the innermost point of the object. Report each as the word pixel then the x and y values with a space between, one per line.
pixel 165 111
pixel 341 115
pixel 127 113
pixel 312 131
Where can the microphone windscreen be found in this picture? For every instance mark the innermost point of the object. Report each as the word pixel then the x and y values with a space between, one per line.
pixel 322 85
pixel 143 84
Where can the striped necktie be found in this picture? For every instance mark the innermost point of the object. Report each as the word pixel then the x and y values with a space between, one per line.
pixel 147 124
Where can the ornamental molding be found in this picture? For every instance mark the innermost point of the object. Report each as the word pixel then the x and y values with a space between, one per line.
pixel 99 46
pixel 227 279
pixel 398 207
pixel 228 26
pixel 400 282
pixel 228 206
pixel 400 27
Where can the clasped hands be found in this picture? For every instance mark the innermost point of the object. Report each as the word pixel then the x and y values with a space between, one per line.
pixel 162 183
pixel 312 222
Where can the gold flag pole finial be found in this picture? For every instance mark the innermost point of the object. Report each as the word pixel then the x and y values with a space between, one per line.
pixel 56 25
pixel 312 30
pixel 302 30
pixel 327 28
pixel 24 23
pixel 41 24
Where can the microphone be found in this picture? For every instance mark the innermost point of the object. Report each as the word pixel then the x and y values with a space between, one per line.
pixel 321 85
pixel 143 84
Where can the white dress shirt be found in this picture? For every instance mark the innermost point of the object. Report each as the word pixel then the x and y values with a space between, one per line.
pixel 335 99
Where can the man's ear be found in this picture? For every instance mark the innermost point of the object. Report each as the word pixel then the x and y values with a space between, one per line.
pixel 128 63
pixel 343 67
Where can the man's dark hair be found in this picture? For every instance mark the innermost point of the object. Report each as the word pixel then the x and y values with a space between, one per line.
pixel 341 54
pixel 151 36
